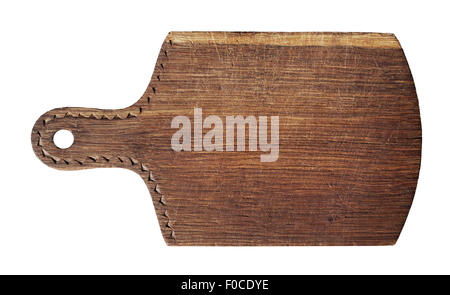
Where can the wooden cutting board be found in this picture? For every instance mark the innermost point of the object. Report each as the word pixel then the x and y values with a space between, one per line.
pixel 343 170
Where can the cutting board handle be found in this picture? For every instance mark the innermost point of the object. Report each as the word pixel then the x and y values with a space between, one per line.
pixel 100 138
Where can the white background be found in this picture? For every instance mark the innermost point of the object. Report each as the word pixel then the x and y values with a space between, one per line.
pixel 101 54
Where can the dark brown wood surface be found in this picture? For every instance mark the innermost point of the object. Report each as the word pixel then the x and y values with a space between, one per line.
pixel 349 139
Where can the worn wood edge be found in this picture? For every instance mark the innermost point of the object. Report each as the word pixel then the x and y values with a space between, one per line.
pixel 365 40
pixel 421 144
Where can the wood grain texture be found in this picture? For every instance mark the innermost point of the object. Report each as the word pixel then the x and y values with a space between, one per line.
pixel 350 139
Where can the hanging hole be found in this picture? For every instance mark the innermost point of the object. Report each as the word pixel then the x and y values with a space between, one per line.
pixel 63 139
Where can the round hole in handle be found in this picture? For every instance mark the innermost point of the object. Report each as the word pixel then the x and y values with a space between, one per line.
pixel 63 139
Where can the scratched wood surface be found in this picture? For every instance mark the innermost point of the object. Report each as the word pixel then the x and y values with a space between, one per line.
pixel 349 139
